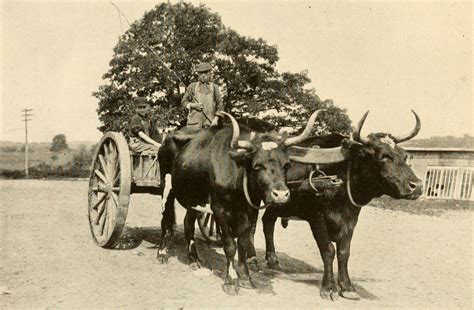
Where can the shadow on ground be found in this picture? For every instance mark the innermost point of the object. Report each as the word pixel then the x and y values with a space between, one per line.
pixel 213 259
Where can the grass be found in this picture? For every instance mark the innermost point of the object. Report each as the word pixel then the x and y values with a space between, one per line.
pixel 422 205
pixel 45 164
pixel 16 160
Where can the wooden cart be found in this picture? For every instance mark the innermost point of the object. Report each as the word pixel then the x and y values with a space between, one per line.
pixel 117 173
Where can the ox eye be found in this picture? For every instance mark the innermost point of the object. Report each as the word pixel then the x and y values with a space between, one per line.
pixel 386 158
pixel 259 167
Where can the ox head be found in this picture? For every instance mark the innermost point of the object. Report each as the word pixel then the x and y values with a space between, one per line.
pixel 266 161
pixel 385 162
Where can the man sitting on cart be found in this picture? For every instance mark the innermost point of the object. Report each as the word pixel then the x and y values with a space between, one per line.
pixel 143 132
pixel 202 99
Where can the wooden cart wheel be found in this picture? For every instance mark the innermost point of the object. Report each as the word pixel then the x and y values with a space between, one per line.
pixel 109 189
pixel 210 230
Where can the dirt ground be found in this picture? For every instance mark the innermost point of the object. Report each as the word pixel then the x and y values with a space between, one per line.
pixel 48 259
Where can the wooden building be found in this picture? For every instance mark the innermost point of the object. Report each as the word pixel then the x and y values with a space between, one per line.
pixel 447 173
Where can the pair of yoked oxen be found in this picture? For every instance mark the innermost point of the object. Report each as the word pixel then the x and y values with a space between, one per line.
pixel 237 168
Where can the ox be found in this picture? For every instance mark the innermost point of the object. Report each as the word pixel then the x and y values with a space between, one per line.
pixel 235 168
pixel 370 167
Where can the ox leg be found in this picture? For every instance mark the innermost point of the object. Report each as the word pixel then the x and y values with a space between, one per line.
pixel 243 243
pixel 167 223
pixel 243 274
pixel 343 251
pixel 189 221
pixel 269 218
pixel 231 285
pixel 252 261
pixel 327 251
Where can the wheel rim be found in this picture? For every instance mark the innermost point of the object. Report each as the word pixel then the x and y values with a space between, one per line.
pixel 210 230
pixel 109 189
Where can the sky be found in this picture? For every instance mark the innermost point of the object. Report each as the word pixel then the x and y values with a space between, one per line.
pixel 387 57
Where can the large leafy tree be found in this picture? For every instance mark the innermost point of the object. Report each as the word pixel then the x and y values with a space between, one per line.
pixel 156 56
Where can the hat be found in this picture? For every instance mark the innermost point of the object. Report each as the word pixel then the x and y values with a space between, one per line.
pixel 203 67
pixel 141 101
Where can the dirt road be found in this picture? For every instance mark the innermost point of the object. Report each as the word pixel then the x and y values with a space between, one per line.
pixel 48 259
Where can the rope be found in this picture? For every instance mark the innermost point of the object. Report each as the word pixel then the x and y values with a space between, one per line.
pixel 348 187
pixel 246 193
pixel 155 54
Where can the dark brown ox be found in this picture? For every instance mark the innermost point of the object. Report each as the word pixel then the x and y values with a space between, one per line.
pixel 237 169
pixel 370 167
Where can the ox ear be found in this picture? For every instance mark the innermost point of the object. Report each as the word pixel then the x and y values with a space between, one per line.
pixel 181 140
pixel 241 156
pixel 366 151
pixel 357 149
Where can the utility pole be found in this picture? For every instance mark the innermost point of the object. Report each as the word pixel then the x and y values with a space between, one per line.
pixel 26 119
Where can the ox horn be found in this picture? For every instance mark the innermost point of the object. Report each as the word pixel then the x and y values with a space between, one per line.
pixel 356 131
pixel 235 143
pixel 412 134
pixel 306 132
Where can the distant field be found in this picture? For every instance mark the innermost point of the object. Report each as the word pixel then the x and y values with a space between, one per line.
pixel 16 160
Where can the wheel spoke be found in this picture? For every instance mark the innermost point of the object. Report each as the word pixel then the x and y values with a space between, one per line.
pixel 106 149
pixel 116 179
pixel 105 168
pixel 117 169
pixel 111 146
pixel 101 175
pixel 103 219
pixel 115 199
pixel 112 151
pixel 107 218
pixel 112 161
pixel 98 202
pixel 100 211
pixel 110 222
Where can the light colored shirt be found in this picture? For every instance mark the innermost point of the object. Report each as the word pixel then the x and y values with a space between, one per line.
pixel 209 96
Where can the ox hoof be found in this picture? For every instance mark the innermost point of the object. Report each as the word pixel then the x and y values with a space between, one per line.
pixel 162 259
pixel 350 295
pixel 231 289
pixel 194 266
pixel 253 264
pixel 329 295
pixel 273 265
pixel 247 283
pixel 272 261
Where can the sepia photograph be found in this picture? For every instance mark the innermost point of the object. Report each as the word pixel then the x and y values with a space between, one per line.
pixel 236 154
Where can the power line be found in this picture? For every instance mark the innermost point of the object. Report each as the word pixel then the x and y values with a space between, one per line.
pixel 14 129
pixel 120 19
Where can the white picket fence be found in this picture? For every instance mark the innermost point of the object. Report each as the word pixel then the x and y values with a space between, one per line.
pixel 449 182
